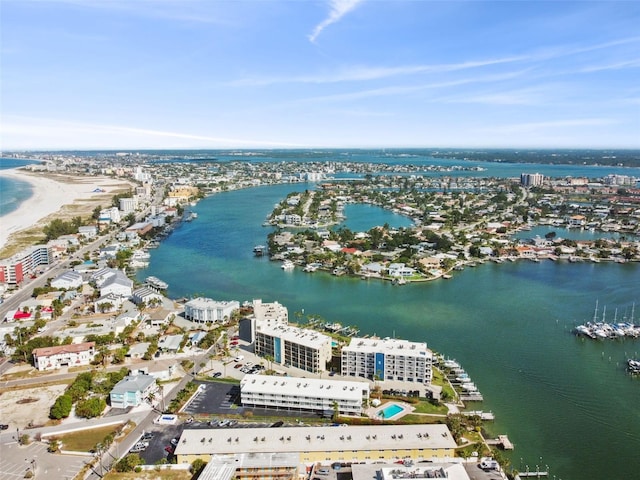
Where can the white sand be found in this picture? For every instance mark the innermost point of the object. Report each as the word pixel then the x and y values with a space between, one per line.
pixel 49 196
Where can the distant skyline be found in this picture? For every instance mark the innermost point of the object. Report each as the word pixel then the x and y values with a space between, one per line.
pixel 191 74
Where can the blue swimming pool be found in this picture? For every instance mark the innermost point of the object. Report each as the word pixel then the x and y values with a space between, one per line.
pixel 390 410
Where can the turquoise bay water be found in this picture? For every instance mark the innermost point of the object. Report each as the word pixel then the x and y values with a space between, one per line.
pixel 558 397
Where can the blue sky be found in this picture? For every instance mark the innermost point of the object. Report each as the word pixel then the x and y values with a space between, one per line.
pixel 95 74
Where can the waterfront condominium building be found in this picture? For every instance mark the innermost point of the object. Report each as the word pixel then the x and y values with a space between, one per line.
pixel 204 310
pixel 531 179
pixel 387 359
pixel 305 394
pixel 293 347
pixel 270 313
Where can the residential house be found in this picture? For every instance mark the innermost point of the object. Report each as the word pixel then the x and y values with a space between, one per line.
pixel 67 280
pixel 132 391
pixel 75 354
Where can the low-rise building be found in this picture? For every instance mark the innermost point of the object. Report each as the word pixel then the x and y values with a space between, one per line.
pixel 75 354
pixel 203 310
pixel 132 390
pixel 304 394
pixel 67 280
pixel 388 359
pixel 367 443
pixel 294 347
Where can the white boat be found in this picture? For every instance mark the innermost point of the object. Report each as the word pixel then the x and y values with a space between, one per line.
pixel 157 283
pixel 287 265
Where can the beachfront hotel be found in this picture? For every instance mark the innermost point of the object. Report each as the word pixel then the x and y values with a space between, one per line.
pixel 304 394
pixel 388 359
pixel 293 347
pixel 326 444
pixel 73 355
pixel 203 310
pixel 13 270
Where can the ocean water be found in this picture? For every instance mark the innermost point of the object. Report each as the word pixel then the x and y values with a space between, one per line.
pixel 564 402
pixel 13 192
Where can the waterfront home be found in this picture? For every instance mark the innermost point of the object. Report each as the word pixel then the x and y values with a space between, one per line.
pixel 75 354
pixel 400 270
pixel 146 295
pixel 132 391
pixel 373 268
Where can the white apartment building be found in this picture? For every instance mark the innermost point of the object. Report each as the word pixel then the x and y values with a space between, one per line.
pixel 294 347
pixel 75 354
pixel 270 313
pixel 388 359
pixel 204 310
pixel 307 394
pixel 128 205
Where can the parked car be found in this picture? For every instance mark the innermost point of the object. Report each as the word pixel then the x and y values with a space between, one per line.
pixel 217 374
pixel 4 426
pixel 169 449
pixel 174 441
pixel 147 436
pixel 224 423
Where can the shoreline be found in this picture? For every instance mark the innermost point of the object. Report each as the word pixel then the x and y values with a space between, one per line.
pixel 49 196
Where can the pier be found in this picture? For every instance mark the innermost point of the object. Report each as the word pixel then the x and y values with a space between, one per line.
pixel 502 441
pixel 532 474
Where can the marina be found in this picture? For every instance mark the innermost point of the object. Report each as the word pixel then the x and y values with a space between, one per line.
pixel 598 330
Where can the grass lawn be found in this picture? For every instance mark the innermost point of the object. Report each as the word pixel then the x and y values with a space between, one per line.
pixel 151 475
pixel 429 408
pixel 85 440
pixel 439 379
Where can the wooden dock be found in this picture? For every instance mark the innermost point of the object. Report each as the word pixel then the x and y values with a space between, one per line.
pixel 532 474
pixel 502 441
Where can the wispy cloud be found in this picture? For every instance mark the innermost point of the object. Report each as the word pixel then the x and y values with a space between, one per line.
pixel 338 9
pixel 364 73
pixel 612 66
pixel 47 128
pixel 409 89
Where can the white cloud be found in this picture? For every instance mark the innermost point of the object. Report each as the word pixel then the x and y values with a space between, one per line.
pixel 536 127
pixel 339 8
pixel 35 133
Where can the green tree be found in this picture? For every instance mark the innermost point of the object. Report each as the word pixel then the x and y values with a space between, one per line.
pixel 197 466
pixel 128 463
pixel 91 407
pixel 61 408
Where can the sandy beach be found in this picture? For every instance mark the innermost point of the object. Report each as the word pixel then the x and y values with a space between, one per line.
pixel 50 193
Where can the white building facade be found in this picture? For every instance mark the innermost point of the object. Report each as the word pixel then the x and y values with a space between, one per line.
pixel 388 359
pixel 203 310
pixel 294 347
pixel 307 394
pixel 75 354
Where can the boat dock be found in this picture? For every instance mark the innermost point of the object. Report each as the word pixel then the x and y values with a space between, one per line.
pixel 481 414
pixel 532 474
pixel 502 441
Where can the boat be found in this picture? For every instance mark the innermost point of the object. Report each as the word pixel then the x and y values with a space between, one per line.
pixel 287 265
pixel 157 283
pixel 259 250
pixel 310 267
pixel 446 276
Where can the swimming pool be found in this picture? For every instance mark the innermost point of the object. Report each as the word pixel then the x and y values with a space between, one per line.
pixel 390 410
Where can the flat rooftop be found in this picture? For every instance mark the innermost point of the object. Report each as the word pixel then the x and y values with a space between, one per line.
pixel 392 346
pixel 301 336
pixel 305 387
pixel 313 439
